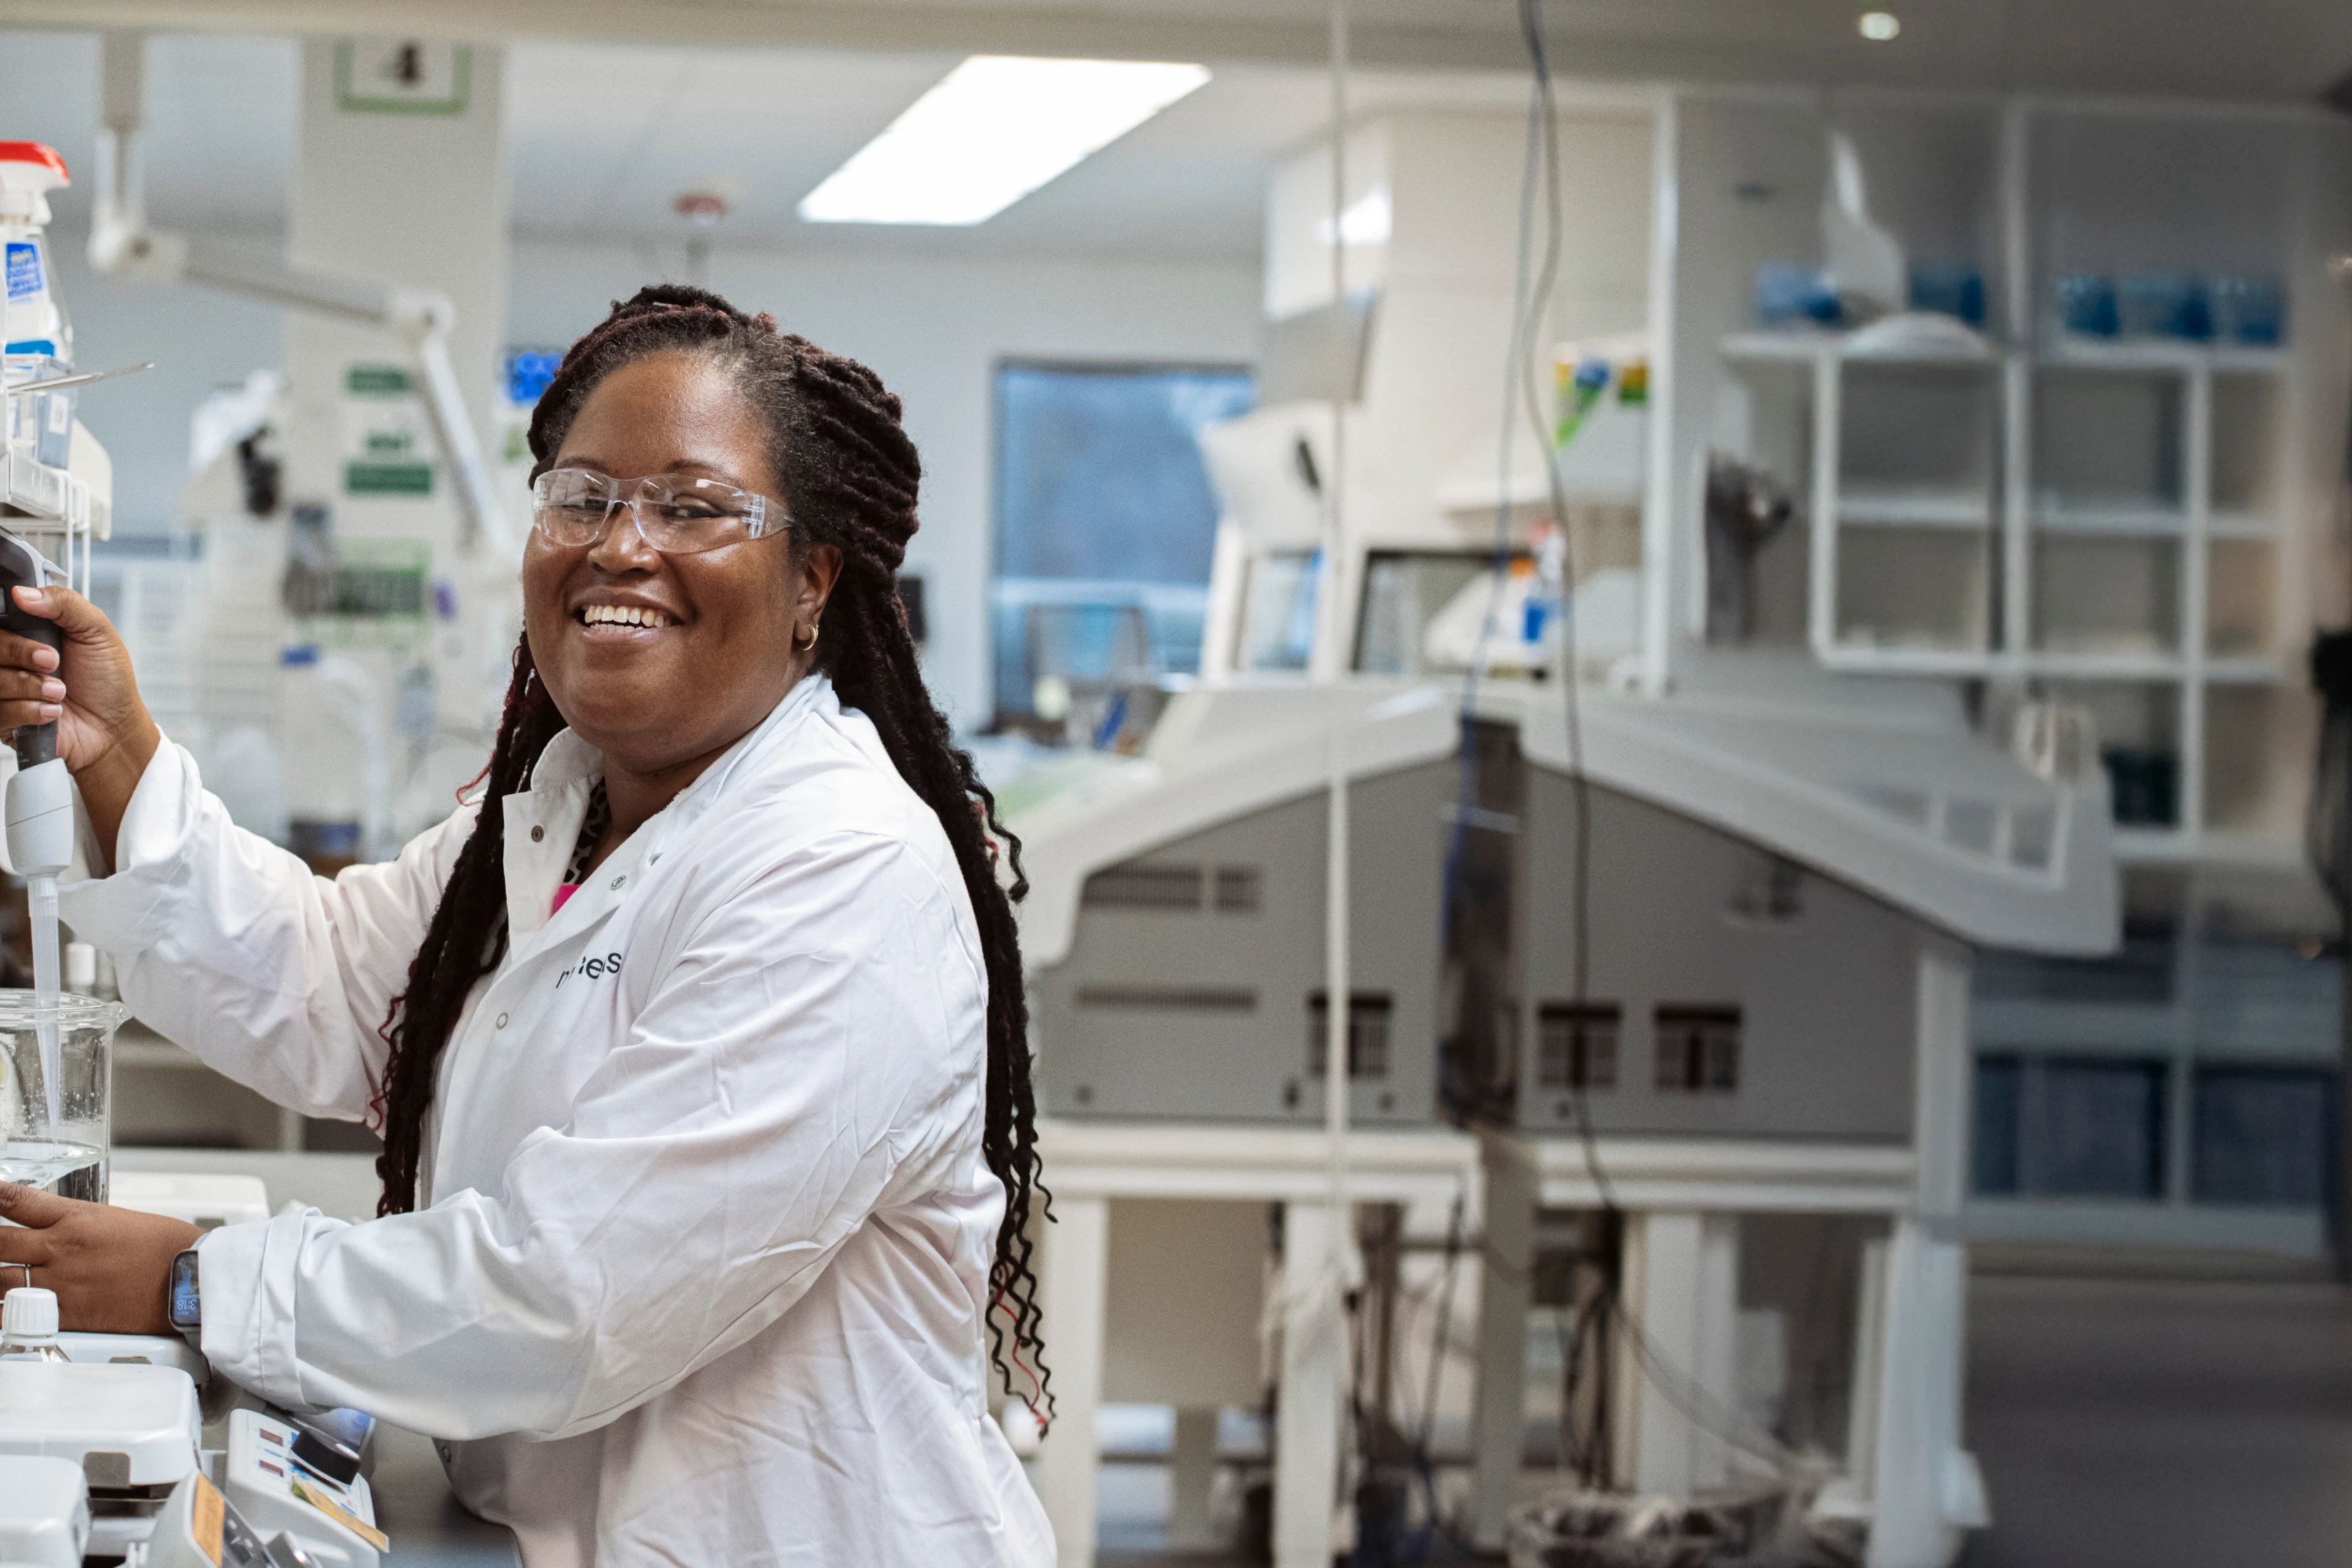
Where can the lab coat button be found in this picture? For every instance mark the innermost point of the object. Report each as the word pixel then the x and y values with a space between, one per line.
pixel 537 834
pixel 502 1020
pixel 618 881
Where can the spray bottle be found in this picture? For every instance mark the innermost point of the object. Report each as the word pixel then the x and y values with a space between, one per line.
pixel 35 336
pixel 36 322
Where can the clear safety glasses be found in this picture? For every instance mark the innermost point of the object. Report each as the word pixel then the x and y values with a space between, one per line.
pixel 677 514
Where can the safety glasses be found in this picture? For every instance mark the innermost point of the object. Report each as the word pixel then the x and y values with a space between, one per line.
pixel 677 514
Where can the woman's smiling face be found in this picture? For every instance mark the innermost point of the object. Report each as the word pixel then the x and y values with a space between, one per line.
pixel 703 644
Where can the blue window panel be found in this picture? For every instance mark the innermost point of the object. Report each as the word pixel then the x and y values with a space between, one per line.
pixel 2098 1131
pixel 1993 1165
pixel 1106 523
pixel 2262 1135
pixel 1099 472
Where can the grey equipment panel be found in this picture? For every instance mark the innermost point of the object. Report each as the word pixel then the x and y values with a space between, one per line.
pixel 1752 998
pixel 1196 972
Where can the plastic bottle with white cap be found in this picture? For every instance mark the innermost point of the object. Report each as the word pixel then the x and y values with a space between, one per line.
pixel 29 1324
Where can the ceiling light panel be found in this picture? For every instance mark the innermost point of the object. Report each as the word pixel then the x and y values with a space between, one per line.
pixel 992 131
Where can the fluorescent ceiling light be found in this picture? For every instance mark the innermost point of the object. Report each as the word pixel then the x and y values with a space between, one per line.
pixel 992 131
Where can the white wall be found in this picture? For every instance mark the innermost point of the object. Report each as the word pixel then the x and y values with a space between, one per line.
pixel 934 330
pixel 199 339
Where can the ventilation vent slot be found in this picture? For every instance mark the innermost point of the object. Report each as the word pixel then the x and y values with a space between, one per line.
pixel 1698 1050
pixel 1367 1034
pixel 1576 1044
pixel 1240 889
pixel 1167 999
pixel 1143 888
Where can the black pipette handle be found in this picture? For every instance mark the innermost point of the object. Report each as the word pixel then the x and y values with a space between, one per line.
pixel 21 566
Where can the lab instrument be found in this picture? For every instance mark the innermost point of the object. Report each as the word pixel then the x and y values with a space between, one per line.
pixel 44 1512
pixel 133 1431
pixel 270 1474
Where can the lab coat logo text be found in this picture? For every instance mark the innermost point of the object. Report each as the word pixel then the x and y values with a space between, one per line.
pixel 594 967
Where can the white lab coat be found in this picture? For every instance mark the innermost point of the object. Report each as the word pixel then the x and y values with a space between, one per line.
pixel 703 1274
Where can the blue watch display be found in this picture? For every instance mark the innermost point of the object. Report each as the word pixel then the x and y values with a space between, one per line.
pixel 184 1301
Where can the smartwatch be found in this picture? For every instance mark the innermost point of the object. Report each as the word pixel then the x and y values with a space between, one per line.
pixel 183 1304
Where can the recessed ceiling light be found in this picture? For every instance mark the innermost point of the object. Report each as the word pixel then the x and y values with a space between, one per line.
pixel 991 132
pixel 1878 26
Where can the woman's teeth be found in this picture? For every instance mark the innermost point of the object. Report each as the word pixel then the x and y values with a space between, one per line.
pixel 622 616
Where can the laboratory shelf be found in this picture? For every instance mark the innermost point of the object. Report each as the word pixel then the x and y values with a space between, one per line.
pixel 1867 658
pixel 2245 669
pixel 2144 355
pixel 2221 848
pixel 1890 508
pixel 2123 520
pixel 2242 525
pixel 2136 667
pixel 1800 346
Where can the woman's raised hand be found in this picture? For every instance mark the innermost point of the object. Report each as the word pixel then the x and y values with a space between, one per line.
pixel 104 732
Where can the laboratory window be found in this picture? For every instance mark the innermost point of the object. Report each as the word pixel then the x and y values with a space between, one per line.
pixel 1697 1050
pixel 2263 1134
pixel 1368 1033
pixel 1576 1044
pixel 1105 526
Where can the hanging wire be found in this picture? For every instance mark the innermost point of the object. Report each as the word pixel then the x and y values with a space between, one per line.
pixel 1603 1319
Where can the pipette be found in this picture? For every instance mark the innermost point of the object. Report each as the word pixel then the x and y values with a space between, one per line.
pixel 39 810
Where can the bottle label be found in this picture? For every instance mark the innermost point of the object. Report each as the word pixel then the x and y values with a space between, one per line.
pixel 24 269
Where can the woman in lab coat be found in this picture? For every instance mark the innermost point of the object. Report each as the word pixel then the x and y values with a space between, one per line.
pixel 696 1037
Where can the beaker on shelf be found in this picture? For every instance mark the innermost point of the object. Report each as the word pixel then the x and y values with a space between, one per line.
pixel 35 1148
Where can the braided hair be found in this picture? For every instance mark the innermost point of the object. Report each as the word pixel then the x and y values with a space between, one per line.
pixel 849 476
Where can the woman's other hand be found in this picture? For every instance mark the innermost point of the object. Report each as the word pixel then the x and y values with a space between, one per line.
pixel 110 1267
pixel 104 732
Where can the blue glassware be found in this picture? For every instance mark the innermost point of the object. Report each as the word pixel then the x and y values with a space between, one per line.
pixel 2247 310
pixel 1949 287
pixel 2086 304
pixel 1792 293
pixel 2163 305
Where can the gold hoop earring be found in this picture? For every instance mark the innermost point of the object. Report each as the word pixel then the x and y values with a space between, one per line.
pixel 806 646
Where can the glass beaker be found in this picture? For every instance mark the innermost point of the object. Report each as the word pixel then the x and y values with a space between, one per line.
pixel 36 1148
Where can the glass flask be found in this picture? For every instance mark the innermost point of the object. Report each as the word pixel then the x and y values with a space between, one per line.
pixel 56 1137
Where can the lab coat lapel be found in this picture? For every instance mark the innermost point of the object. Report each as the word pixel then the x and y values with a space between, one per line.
pixel 554 806
pixel 500 1080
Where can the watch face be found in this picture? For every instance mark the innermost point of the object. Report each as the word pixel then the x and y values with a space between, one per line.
pixel 185 1305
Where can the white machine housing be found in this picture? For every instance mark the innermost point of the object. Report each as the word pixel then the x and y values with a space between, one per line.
pixel 132 1431
pixel 44 1512
pixel 1789 870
